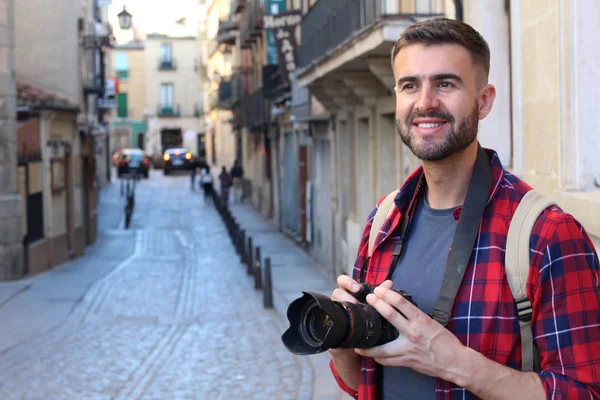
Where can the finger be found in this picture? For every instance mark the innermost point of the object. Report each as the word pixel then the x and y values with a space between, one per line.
pixel 398 302
pixel 388 312
pixel 342 295
pixel 391 349
pixel 347 283
pixel 397 361
pixel 387 284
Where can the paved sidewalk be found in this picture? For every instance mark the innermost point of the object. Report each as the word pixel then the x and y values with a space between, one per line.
pixel 293 271
pixel 48 307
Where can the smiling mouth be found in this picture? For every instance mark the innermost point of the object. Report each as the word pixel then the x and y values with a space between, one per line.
pixel 430 125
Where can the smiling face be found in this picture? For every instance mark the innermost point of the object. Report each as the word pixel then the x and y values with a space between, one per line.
pixel 440 98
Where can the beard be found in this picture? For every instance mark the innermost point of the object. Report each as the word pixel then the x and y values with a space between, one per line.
pixel 460 135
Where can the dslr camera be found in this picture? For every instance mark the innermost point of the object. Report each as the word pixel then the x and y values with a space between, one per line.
pixel 318 323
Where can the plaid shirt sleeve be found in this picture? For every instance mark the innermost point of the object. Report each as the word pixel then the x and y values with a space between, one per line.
pixel 360 260
pixel 564 287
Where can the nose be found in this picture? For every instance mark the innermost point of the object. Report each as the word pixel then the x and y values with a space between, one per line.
pixel 428 100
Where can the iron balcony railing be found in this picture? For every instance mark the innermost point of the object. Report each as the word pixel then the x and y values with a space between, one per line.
pixel 251 22
pixel 229 91
pixel 166 64
pixel 226 32
pixel 168 110
pixel 329 23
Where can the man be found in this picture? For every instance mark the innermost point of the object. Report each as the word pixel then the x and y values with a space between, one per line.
pixel 441 68
pixel 237 175
pixel 193 167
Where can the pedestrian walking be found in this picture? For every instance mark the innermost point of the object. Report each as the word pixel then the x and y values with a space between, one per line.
pixel 237 176
pixel 206 180
pixel 225 183
pixel 471 334
pixel 193 168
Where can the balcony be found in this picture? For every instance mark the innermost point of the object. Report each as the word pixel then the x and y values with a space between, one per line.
pixel 237 5
pixel 92 84
pixel 254 112
pixel 166 65
pixel 330 23
pixel 91 78
pixel 273 85
pixel 345 51
pixel 168 110
pixel 251 22
pixel 229 91
pixel 227 32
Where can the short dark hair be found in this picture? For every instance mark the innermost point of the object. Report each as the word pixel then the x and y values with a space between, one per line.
pixel 441 31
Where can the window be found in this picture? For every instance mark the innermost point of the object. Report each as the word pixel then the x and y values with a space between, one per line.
pixel 166 95
pixel 122 105
pixel 122 66
pixel 166 55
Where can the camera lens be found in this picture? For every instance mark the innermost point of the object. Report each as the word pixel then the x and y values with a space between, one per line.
pixel 316 324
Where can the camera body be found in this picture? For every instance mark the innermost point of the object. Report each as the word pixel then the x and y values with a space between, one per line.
pixel 366 289
pixel 318 323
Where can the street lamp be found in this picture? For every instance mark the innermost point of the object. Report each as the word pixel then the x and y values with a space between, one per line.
pixel 124 19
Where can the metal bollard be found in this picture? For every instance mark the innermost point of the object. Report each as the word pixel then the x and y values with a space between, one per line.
pixel 257 271
pixel 268 285
pixel 250 263
pixel 234 237
pixel 242 245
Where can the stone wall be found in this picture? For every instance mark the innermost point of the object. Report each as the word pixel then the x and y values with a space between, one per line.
pixel 11 265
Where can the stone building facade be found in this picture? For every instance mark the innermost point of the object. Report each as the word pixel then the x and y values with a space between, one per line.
pixel 10 212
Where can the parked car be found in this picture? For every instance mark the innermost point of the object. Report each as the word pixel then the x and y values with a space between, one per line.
pixel 133 161
pixel 177 159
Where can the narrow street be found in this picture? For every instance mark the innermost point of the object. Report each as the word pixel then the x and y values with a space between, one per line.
pixel 161 311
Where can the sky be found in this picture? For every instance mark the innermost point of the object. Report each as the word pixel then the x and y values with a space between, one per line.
pixel 156 16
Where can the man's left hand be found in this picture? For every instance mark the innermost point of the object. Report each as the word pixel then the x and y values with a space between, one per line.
pixel 423 345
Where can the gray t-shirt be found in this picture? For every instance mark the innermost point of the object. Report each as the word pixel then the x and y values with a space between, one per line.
pixel 420 272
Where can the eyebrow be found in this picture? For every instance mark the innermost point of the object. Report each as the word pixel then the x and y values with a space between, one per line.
pixel 437 77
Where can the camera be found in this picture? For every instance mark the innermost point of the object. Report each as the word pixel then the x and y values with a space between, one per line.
pixel 318 323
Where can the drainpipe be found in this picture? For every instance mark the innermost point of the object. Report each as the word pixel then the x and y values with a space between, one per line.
pixel 458 6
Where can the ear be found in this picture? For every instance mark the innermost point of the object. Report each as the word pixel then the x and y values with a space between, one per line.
pixel 486 100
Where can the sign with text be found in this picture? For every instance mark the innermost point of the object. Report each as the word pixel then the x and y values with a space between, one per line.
pixel 273 7
pixel 283 27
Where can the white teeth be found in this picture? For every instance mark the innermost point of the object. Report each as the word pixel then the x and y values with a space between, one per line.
pixel 430 125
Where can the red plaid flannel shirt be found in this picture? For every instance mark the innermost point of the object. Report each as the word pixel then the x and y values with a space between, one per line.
pixel 563 287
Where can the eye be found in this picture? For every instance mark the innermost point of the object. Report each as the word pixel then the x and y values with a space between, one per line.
pixel 408 86
pixel 446 84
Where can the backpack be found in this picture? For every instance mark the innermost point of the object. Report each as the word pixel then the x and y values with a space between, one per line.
pixel 516 261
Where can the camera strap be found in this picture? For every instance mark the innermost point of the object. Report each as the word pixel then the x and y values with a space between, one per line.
pixel 464 237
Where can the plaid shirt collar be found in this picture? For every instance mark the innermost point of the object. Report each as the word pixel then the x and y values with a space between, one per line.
pixel 411 189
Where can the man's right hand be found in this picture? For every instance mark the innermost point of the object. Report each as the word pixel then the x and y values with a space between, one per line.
pixel 346 361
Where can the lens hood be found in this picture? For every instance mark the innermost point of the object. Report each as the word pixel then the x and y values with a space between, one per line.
pixel 293 338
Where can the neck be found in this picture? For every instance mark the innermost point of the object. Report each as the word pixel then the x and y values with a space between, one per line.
pixel 448 180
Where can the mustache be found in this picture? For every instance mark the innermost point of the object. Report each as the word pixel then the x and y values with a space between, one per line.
pixel 439 114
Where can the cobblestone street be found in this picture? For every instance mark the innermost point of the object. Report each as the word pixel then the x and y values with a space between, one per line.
pixel 163 310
